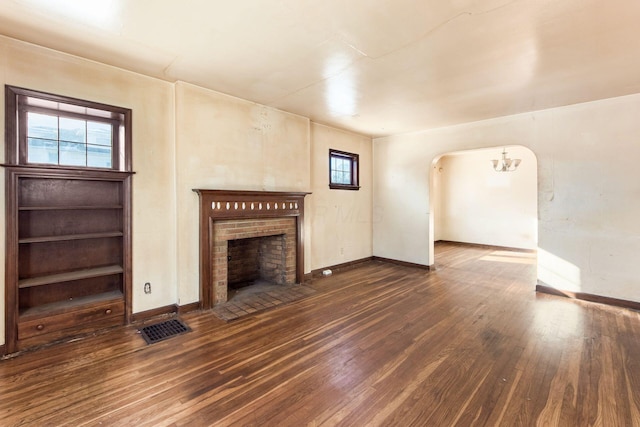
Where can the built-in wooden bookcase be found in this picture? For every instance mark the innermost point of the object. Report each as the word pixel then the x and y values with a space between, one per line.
pixel 68 248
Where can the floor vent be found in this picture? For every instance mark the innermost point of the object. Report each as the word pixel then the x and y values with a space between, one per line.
pixel 164 330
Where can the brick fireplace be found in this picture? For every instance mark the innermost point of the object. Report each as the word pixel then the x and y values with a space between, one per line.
pixel 244 222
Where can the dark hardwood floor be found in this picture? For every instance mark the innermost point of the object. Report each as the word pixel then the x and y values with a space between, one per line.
pixel 470 343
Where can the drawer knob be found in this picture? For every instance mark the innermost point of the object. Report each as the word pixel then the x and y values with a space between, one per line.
pixel 40 327
pixel 107 311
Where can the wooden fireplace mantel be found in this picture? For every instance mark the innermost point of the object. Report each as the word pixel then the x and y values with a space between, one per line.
pixel 216 205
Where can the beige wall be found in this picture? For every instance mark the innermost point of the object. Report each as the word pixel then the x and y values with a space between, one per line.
pixel 229 143
pixel 341 220
pixel 186 137
pixel 588 190
pixel 479 205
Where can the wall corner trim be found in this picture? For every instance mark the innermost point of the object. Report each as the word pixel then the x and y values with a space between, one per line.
pixel 154 312
pixel 338 267
pixel 546 289
pixel 403 263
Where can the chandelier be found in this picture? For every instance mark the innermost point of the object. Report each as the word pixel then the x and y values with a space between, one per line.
pixel 505 164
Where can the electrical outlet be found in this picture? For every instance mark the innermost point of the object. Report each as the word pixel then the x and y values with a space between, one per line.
pixel 147 288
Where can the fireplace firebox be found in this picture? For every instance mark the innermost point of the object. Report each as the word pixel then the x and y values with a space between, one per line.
pixel 256 259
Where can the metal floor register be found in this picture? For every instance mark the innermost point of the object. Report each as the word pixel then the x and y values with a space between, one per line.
pixel 164 330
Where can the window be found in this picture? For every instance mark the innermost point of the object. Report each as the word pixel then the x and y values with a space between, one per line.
pixel 51 130
pixel 343 170
pixel 68 141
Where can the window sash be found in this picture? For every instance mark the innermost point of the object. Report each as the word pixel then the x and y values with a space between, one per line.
pixel 65 146
pixel 96 144
pixel 343 170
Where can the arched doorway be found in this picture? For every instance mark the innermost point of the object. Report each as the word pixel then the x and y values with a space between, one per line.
pixel 472 203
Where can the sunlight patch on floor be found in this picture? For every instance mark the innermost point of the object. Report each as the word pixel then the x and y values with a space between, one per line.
pixel 511 257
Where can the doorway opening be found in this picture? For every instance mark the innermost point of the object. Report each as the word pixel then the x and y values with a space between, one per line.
pixel 472 203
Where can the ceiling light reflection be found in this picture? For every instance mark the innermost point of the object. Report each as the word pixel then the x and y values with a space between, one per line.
pixel 102 13
pixel 340 91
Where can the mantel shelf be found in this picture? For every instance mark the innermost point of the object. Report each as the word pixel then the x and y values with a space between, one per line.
pixel 69 276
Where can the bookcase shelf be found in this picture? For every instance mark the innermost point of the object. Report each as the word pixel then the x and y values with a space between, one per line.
pixel 68 252
pixel 70 276
pixel 64 237
pixel 67 208
pixel 67 227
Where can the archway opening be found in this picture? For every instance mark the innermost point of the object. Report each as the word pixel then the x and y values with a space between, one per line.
pixel 472 203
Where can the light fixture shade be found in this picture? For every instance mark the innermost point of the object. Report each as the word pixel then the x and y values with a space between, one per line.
pixel 505 164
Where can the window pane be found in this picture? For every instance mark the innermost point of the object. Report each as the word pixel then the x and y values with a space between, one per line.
pixel 341 170
pixel 42 151
pixel 99 133
pixel 42 126
pixel 346 166
pixel 72 130
pixel 73 154
pixel 98 156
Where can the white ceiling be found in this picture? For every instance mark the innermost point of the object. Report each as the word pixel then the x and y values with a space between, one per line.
pixel 376 67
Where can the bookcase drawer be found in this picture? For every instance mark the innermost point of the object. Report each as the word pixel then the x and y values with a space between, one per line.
pixel 73 322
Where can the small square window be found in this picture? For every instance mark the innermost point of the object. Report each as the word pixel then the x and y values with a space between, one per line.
pixel 343 170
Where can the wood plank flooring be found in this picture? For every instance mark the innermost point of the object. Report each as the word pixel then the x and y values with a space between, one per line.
pixel 470 343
